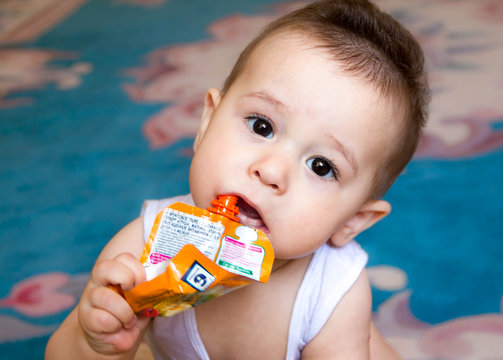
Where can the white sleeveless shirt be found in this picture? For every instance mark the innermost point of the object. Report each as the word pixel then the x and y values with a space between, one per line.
pixel 330 274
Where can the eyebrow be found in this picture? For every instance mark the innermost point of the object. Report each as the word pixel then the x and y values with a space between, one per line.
pixel 267 98
pixel 348 155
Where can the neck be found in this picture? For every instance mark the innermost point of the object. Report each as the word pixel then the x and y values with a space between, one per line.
pixel 279 263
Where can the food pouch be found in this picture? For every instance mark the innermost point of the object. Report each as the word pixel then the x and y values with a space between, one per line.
pixel 194 255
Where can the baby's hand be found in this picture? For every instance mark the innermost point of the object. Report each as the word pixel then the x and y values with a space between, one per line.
pixel 108 322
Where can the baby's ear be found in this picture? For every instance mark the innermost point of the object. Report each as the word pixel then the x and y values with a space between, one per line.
pixel 369 214
pixel 211 101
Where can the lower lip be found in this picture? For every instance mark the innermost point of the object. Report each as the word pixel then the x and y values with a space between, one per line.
pixel 253 223
pixel 264 229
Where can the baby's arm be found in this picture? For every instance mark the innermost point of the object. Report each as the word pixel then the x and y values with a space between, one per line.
pixel 347 332
pixel 380 349
pixel 103 325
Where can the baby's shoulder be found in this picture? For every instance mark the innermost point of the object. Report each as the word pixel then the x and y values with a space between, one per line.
pixel 346 332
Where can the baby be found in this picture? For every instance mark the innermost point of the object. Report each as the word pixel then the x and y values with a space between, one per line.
pixel 319 115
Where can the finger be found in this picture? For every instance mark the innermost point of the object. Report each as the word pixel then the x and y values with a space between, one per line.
pixel 107 300
pixel 135 266
pixel 99 321
pixel 111 272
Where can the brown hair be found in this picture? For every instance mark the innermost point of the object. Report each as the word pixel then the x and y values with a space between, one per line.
pixel 373 46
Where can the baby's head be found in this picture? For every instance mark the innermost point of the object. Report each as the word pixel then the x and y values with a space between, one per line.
pixel 318 117
pixel 374 47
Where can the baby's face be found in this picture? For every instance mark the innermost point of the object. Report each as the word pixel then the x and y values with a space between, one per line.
pixel 297 140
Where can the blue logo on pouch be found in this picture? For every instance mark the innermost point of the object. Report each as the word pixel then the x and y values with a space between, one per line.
pixel 198 277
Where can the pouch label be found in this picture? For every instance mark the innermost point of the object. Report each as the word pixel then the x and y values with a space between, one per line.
pixel 177 229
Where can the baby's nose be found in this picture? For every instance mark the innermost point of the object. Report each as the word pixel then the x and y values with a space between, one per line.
pixel 271 170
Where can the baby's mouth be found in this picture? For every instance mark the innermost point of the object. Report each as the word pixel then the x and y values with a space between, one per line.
pixel 249 216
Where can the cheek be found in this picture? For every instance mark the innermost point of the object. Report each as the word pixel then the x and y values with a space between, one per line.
pixel 294 244
pixel 301 233
pixel 211 165
pixel 200 179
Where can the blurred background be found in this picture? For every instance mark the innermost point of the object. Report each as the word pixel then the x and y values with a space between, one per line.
pixel 99 104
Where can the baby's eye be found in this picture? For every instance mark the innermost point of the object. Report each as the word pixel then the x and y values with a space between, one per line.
pixel 260 125
pixel 323 167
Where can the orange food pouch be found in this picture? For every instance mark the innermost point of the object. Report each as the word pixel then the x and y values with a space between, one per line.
pixel 194 255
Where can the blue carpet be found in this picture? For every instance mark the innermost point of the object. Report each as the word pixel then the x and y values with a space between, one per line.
pixel 98 109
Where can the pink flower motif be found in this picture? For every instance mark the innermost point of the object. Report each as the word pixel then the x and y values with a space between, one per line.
pixel 460 39
pixel 180 75
pixel 27 69
pixel 467 136
pixel 491 10
pixel 470 337
pixel 14 329
pixel 459 44
pixel 39 296
pixel 24 21
pixel 174 123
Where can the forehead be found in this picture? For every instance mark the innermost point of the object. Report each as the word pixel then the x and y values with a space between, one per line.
pixel 295 70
